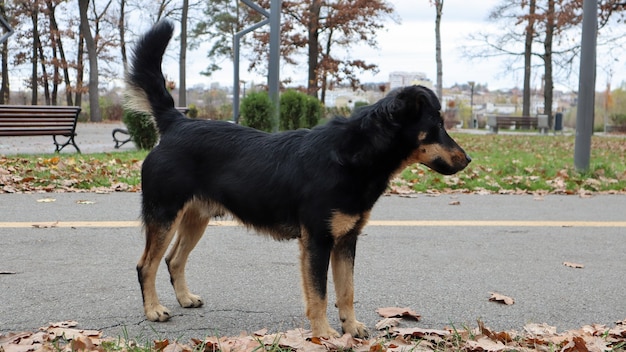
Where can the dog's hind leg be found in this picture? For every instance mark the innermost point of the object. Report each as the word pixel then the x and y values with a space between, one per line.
pixel 190 230
pixel 314 259
pixel 158 238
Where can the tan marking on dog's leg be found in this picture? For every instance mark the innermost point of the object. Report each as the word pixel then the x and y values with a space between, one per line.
pixel 342 261
pixel 158 239
pixel 315 305
pixel 190 230
pixel 341 223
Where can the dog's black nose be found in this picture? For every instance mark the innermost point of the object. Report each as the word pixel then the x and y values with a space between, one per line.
pixel 468 158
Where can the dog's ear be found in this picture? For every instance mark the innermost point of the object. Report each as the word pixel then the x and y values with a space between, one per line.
pixel 413 98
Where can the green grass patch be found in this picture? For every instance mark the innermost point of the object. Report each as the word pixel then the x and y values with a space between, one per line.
pixel 525 163
pixel 69 172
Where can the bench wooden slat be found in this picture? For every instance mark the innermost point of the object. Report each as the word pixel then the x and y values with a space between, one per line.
pixel 39 132
pixel 32 122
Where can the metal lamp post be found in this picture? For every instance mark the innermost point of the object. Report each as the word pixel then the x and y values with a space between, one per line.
pixel 474 122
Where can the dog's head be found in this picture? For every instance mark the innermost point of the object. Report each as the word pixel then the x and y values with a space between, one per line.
pixel 418 110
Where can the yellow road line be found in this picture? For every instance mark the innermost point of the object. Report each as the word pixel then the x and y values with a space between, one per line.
pixel 400 223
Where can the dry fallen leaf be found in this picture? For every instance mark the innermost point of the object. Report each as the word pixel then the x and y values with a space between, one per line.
pixel 395 312
pixel 500 298
pixel 485 344
pixel 46 226
pixel 540 329
pixel 46 200
pixel 454 202
pixel 85 202
pixel 387 323
pixel 573 265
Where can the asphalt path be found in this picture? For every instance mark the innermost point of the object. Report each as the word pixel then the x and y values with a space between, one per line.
pixel 72 257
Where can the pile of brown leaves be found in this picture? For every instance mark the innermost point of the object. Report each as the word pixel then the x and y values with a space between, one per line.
pixel 64 336
pixel 80 173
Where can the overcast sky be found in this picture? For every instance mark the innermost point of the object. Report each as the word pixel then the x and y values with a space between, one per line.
pixel 410 46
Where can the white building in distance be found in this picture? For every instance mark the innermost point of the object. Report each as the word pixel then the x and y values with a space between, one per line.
pixel 399 79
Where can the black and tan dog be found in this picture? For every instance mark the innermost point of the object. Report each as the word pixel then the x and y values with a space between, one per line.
pixel 317 186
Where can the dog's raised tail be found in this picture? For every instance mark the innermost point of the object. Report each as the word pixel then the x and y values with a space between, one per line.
pixel 145 84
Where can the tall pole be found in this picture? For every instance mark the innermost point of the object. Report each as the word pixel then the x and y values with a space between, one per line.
pixel 586 86
pixel 472 119
pixel 8 30
pixel 236 47
pixel 273 18
pixel 273 81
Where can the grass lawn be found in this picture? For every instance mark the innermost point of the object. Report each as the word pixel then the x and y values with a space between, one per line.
pixel 525 163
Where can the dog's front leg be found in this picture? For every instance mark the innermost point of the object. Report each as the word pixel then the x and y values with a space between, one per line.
pixel 342 260
pixel 314 259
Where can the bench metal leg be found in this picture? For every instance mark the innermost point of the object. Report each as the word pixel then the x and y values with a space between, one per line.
pixel 120 142
pixel 60 146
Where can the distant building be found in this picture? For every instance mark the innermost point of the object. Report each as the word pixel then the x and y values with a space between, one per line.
pixel 401 79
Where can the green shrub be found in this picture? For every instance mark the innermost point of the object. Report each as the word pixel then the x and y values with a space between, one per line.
pixel 343 111
pixel 142 130
pixel 312 111
pixel 257 111
pixel 360 103
pixel 299 110
pixel 193 111
pixel 618 119
pixel 291 104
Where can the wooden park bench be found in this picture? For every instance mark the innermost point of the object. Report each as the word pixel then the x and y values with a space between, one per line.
pixel 496 122
pixel 120 142
pixel 40 120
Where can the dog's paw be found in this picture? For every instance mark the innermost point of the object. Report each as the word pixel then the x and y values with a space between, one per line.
pixel 158 313
pixel 190 301
pixel 324 330
pixel 356 329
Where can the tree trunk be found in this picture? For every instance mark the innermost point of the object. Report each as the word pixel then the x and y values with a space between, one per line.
pixel 80 70
pixel 59 45
pixel 439 9
pixel 528 52
pixel 121 26
pixel 34 73
pixel 313 43
pixel 182 59
pixel 547 57
pixel 44 75
pixel 4 86
pixel 324 75
pixel 92 54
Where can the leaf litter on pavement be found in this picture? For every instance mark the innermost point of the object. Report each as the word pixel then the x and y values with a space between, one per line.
pixel 67 337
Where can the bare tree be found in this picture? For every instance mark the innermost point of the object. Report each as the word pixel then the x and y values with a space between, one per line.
pixel 34 16
pixel 121 27
pixel 528 46
pixel 546 23
pixel 439 11
pixel 182 58
pixel 92 54
pixel 4 85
